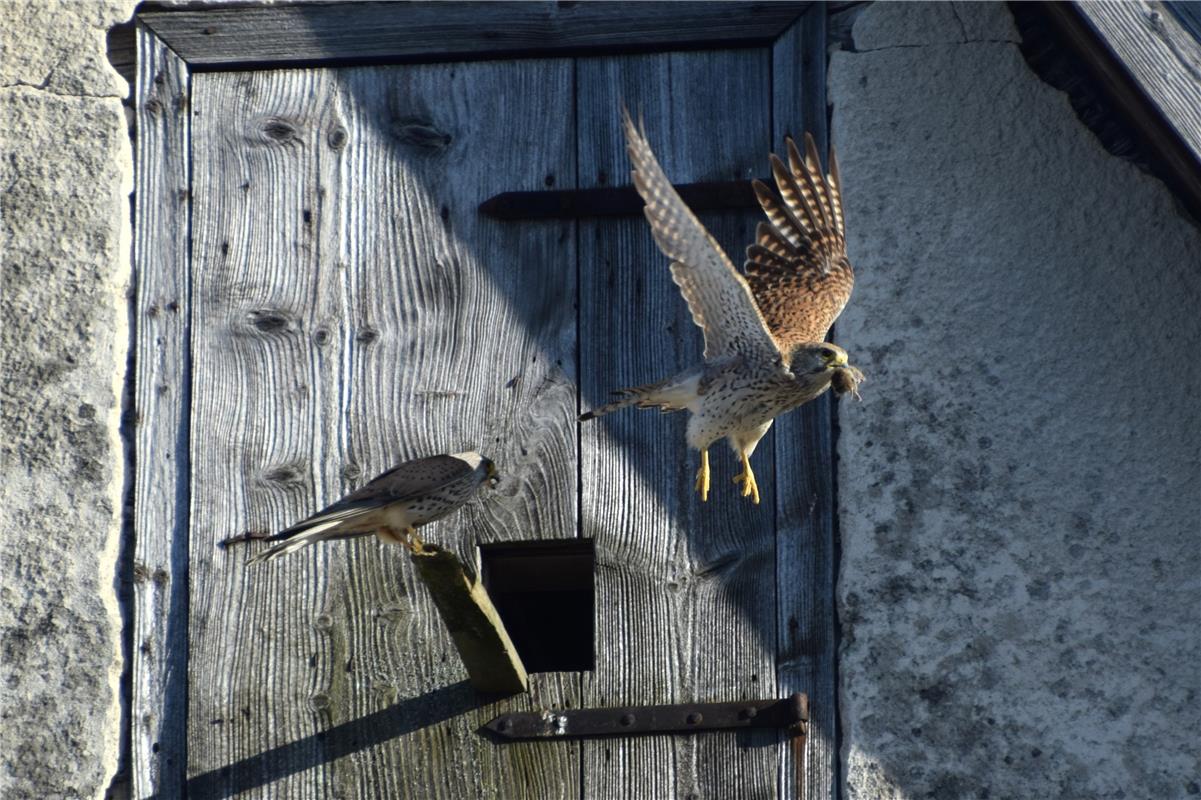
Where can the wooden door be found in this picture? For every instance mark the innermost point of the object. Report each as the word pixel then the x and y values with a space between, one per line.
pixel 345 306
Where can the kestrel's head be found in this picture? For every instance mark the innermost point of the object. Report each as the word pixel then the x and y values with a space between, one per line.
pixel 823 360
pixel 493 474
pixel 817 357
pixel 483 467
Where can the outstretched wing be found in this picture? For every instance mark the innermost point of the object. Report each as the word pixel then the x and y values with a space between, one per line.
pixel 798 268
pixel 717 295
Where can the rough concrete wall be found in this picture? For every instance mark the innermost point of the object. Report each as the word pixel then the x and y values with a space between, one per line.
pixel 1021 488
pixel 65 174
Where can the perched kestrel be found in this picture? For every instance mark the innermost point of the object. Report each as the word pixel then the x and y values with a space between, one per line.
pixel 392 506
pixel 765 352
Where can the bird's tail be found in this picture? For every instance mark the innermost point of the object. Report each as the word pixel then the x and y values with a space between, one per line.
pixel 672 394
pixel 299 536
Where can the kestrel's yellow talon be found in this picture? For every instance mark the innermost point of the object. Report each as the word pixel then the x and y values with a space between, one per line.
pixel 702 477
pixel 747 478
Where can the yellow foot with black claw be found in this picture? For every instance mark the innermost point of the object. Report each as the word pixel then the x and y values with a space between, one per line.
pixel 702 477
pixel 747 478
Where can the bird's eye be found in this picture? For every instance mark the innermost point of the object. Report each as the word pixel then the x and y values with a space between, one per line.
pixel 827 355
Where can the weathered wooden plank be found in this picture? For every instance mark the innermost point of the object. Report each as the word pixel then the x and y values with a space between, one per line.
pixel 1160 54
pixel 476 318
pixel 265 418
pixel 354 311
pixel 686 601
pixel 158 700
pixel 316 33
pixel 805 557
pixel 487 652
pixel 613 201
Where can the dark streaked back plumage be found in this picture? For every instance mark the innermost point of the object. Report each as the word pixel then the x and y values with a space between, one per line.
pixel 429 488
pixel 797 268
pixel 420 477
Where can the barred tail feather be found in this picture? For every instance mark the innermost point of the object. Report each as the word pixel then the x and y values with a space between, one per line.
pixel 673 394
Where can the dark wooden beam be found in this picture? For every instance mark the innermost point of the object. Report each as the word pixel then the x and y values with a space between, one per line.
pixel 615 201
pixel 373 32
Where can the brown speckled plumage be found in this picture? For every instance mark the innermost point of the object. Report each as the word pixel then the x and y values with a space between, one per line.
pixel 797 268
pixel 764 332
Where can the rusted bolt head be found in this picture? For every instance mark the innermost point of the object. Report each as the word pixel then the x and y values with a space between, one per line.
pixel 627 720
pixel 750 712
pixel 694 718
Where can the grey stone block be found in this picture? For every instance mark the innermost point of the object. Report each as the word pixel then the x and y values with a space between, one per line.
pixel 66 174
pixel 1020 490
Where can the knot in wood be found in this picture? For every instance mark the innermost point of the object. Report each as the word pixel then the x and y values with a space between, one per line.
pixel 421 134
pixel 268 320
pixel 337 137
pixel 278 130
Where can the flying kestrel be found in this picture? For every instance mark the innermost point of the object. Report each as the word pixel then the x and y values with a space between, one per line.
pixel 392 506
pixel 765 352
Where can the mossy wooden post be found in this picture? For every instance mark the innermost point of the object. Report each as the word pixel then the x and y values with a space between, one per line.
pixel 479 635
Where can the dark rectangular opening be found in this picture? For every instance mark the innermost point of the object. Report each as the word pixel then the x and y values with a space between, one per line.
pixel 543 591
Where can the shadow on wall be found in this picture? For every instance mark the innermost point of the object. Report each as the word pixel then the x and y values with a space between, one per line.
pixel 333 743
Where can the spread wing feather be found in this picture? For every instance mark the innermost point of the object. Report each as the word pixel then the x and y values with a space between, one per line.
pixel 718 296
pixel 797 268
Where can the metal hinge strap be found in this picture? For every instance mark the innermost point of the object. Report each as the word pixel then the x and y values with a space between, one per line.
pixel 791 714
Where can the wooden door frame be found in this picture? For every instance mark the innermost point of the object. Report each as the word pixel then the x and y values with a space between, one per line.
pixel 171 47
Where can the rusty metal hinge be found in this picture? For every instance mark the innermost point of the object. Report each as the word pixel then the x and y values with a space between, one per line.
pixel 614 201
pixel 791 714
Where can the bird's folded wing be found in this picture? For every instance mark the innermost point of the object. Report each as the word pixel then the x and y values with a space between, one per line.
pixel 718 297
pixel 409 481
pixel 798 268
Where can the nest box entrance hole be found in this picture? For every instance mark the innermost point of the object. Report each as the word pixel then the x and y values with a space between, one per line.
pixel 544 593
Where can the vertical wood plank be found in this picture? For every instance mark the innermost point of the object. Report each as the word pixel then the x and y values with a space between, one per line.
pixel 686 607
pixel 264 420
pixel 471 345
pixel 805 558
pixel 352 312
pixel 162 307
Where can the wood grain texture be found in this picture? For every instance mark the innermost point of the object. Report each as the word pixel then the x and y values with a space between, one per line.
pixel 315 33
pixel 352 311
pixel 685 594
pixel 162 308
pixel 805 557
pixel 1160 54
pixel 475 627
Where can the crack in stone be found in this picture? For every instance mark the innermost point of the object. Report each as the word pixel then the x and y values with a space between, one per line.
pixel 55 92
pixel 959 19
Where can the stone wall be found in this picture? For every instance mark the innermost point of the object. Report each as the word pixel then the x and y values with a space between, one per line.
pixel 65 173
pixel 1020 490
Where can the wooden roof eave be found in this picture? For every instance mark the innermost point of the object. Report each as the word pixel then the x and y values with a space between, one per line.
pixel 1150 67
